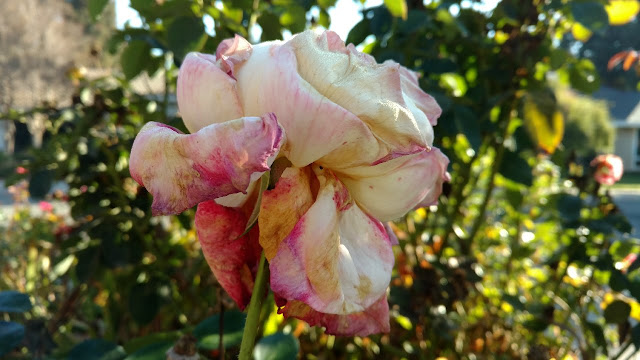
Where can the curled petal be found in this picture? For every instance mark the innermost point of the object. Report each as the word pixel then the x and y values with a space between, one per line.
pixel 231 52
pixel 282 207
pixel 337 259
pixel 391 233
pixel 373 320
pixel 206 94
pixel 416 98
pixel 181 170
pixel 233 260
pixel 391 189
pixel 372 92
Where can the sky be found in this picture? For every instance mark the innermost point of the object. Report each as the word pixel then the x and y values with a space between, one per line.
pixel 344 15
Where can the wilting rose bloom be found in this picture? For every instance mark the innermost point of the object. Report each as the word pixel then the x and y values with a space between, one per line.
pixel 350 144
pixel 609 169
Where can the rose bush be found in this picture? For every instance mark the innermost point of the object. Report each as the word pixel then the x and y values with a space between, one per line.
pixel 349 144
pixel 609 169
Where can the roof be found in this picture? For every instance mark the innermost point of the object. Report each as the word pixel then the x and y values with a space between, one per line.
pixel 624 106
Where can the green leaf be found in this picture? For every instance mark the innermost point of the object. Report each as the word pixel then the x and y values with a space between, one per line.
pixel 96 349
pixel 598 335
pixel 271 28
pixel 558 58
pixel 324 19
pixel 468 124
pixel 144 302
pixel 264 184
pixel 617 312
pixel 382 21
pixel 617 281
pixel 515 168
pixel 157 350
pixel 134 58
pixel 584 76
pixel 88 263
pixel 514 301
pixel 591 14
pixel 397 8
pixel 185 34
pixel 294 19
pixel 438 66
pixel 279 346
pixel 455 83
pixel 359 32
pixel 14 302
pixel 138 344
pixel 536 325
pixel 324 4
pixel 543 122
pixel 96 7
pixel 11 335
pixel 40 183
pixel 152 9
pixel 208 331
pixel 569 206
pixel 415 21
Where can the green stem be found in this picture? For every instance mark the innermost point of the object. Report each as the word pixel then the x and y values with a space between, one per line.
pixel 253 312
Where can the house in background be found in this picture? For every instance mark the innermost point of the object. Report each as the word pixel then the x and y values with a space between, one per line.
pixel 624 107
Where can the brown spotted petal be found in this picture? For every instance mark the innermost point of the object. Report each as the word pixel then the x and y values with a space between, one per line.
pixel 337 259
pixel 181 170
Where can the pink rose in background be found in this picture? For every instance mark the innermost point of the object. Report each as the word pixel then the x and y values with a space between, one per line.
pixel 350 142
pixel 21 170
pixel 609 169
pixel 45 206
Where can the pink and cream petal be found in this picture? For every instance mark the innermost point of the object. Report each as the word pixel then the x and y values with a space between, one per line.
pixel 396 118
pixel 389 190
pixel 282 207
pixel 318 130
pixel 417 98
pixel 232 52
pixel 232 260
pixel 373 320
pixel 181 170
pixel 337 259
pixel 206 93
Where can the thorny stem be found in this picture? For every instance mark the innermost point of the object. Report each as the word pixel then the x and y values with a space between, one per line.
pixel 253 311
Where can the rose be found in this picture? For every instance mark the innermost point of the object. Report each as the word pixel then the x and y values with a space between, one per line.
pixel 358 151
pixel 609 169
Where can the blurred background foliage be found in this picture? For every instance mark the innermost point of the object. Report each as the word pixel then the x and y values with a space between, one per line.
pixel 524 257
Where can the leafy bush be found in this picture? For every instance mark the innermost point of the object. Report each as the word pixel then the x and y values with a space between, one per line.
pixel 523 256
pixel 588 128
